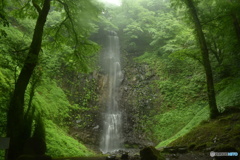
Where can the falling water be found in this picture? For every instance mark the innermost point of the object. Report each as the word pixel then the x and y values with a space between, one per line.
pixel 111 138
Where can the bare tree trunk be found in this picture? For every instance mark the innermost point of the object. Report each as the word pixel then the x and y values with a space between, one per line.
pixel 205 57
pixel 15 115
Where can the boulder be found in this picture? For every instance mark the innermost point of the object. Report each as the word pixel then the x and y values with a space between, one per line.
pixel 150 153
pixel 124 156
pixel 111 157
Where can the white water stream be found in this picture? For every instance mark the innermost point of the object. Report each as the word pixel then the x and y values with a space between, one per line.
pixel 111 137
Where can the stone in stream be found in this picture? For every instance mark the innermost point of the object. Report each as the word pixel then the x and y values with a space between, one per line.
pixel 111 157
pixel 182 150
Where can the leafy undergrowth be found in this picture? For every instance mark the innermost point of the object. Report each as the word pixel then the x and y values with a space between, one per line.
pixel 60 144
pixel 182 97
pixel 228 95
pixel 201 114
pixel 52 103
pixel 222 132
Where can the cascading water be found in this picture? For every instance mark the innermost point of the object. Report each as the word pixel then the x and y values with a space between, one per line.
pixel 111 137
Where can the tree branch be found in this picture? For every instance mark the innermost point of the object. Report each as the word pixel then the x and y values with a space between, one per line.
pixel 72 26
pixel 22 50
pixel 36 6
pixel 71 20
pixel 194 57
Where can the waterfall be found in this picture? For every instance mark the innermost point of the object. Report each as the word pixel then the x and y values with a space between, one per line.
pixel 111 137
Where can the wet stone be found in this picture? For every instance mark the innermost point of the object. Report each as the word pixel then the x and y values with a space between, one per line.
pixel 111 157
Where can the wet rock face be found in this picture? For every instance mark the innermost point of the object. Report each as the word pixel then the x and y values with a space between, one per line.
pixel 137 100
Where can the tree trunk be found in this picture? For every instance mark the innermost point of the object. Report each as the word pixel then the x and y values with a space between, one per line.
pixel 205 57
pixel 236 23
pixel 15 115
pixel 236 26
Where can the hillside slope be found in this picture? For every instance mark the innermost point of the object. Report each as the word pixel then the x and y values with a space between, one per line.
pixel 222 133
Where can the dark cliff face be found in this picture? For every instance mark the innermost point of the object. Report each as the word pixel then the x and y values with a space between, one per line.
pixel 138 98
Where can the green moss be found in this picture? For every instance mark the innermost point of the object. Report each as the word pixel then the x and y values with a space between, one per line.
pixel 181 129
pixel 182 97
pixel 192 146
pixel 229 95
pixel 52 103
pixel 60 144
pixel 217 133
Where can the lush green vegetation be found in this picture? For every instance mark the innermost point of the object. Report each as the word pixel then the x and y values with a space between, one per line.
pixel 34 56
pixel 49 69
pixel 182 91
pixel 207 134
pixel 63 145
pixel 164 36
pixel 52 104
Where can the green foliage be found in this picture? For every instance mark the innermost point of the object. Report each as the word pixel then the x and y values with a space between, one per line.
pixel 68 27
pixel 149 27
pixel 230 95
pixel 39 129
pixel 14 45
pixel 51 102
pixel 188 119
pixel 223 132
pixel 84 97
pixel 180 82
pixel 183 101
pixel 181 86
pixel 60 144
pixel 6 86
pixel 167 40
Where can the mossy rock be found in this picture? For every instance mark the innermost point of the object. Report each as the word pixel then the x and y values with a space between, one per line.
pixel 225 148
pixel 201 146
pixel 150 152
pixel 192 146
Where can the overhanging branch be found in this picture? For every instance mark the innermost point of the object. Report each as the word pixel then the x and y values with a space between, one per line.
pixel 71 20
pixel 36 6
pixel 66 8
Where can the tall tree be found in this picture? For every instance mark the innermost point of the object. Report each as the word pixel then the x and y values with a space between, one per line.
pixel 15 122
pixel 74 29
pixel 205 58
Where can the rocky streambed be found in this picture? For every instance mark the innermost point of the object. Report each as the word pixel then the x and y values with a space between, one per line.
pixel 150 153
